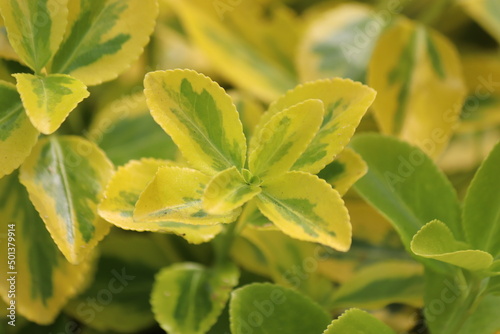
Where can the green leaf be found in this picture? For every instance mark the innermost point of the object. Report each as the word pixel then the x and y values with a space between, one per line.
pixel 333 46
pixel 305 207
pixel 358 321
pixel 380 284
pixel 486 13
pixel 345 102
pixel 44 279
pixel 35 28
pixel 405 186
pixel 266 308
pixel 125 130
pixel 481 213
pixel 104 38
pixel 65 177
pixel 485 317
pixel 229 190
pixel 418 76
pixel 48 100
pixel 17 134
pixel 175 194
pixel 199 116
pixel 436 241
pixel 122 286
pixel 284 138
pixel 188 298
pixel 123 191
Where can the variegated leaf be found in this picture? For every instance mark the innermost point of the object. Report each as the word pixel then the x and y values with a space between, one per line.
pixel 486 13
pixel 339 42
pixel 232 55
pixel 344 171
pixel 284 138
pixel 35 28
pixel 175 194
pixel 358 321
pixel 345 103
pixel 17 134
pixel 199 116
pixel 249 109
pixel 103 38
pixel 306 208
pixel 419 84
pixel 436 241
pixel 229 190
pixel 65 177
pixel 188 298
pixel 48 100
pixel 44 279
pixel 123 191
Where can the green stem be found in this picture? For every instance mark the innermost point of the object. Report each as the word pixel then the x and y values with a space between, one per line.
pixel 225 240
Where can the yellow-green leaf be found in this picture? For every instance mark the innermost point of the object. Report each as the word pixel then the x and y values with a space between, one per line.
pixel 17 134
pixel 358 321
pixel 436 241
pixel 65 177
pixel 344 171
pixel 175 194
pixel 306 208
pixel 44 279
pixel 48 100
pixel 284 138
pixel 345 103
pixel 104 37
pixel 486 13
pixel 249 109
pixel 229 190
pixel 35 28
pixel 375 286
pixel 418 77
pixel 123 191
pixel 199 116
pixel 234 57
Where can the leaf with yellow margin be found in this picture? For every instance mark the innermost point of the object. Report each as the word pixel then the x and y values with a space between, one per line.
pixel 307 208
pixel 103 38
pixel 199 117
pixel 35 29
pixel 17 134
pixel 65 177
pixel 44 279
pixel 48 100
pixel 345 103
pixel 418 76
pixel 121 196
pixel 284 138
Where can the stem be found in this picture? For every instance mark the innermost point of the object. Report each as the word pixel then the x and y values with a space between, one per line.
pixel 225 240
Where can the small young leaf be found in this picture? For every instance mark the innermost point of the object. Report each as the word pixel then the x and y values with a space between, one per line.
pixel 436 241
pixel 199 116
pixel 306 208
pixel 44 279
pixel 17 134
pixel 481 213
pixel 48 100
pixel 375 286
pixel 123 191
pixel 418 77
pixel 228 191
pixel 486 13
pixel 35 28
pixel 284 138
pixel 345 102
pixel 65 178
pixel 175 194
pixel 103 38
pixel 188 298
pixel 347 168
pixel 266 308
pixel 358 321
pixel 405 186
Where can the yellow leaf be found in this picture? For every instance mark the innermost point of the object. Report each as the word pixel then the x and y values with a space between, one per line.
pixel 418 77
pixel 121 196
pixel 48 100
pixel 486 13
